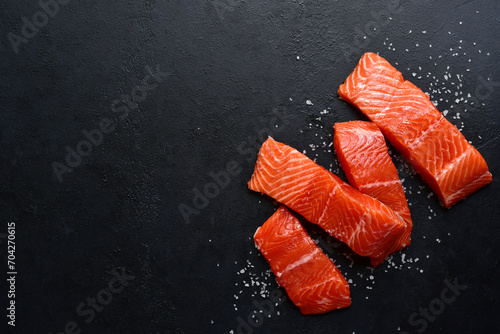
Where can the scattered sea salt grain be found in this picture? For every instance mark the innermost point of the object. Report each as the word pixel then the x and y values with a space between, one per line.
pixel 256 284
pixel 309 103
pixel 448 87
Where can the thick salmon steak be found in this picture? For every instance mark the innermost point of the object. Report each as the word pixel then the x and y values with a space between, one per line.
pixel 310 278
pixel 406 116
pixel 364 157
pixel 367 226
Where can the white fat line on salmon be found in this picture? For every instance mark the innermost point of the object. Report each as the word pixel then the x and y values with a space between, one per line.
pixel 452 164
pixel 359 230
pixel 304 259
pixel 422 138
pixel 460 192
pixel 378 184
pixel 313 287
pixel 326 207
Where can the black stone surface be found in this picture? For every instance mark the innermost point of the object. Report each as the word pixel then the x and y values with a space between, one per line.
pixel 159 96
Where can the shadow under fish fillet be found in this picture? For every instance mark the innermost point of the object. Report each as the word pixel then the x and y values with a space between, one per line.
pixel 310 278
pixel 364 157
pixel 367 226
pixel 436 148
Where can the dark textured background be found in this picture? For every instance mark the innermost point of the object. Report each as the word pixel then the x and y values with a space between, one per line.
pixel 228 67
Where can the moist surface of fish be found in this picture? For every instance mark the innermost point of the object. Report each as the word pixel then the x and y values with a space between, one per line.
pixel 367 226
pixel 310 278
pixel 436 148
pixel 364 157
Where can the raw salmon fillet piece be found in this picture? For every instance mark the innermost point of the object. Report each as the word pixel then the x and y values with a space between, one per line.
pixel 309 277
pixel 364 157
pixel 436 148
pixel 367 226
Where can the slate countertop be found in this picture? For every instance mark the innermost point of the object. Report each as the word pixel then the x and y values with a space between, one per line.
pixel 128 132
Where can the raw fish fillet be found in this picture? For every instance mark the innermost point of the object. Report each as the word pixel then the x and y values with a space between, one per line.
pixel 364 157
pixel 367 226
pixel 309 277
pixel 436 148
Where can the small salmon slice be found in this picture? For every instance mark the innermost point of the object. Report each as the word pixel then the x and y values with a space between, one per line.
pixel 367 226
pixel 436 148
pixel 310 278
pixel 364 157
